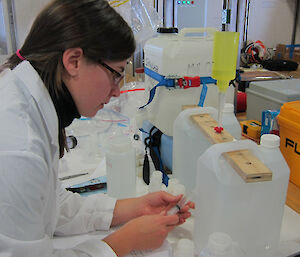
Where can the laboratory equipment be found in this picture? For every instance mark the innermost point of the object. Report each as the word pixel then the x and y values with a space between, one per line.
pixel 120 167
pixel 178 206
pixel 173 64
pixel 251 129
pixel 190 14
pixel 270 95
pixel 198 13
pixel 87 187
pixel 155 181
pixel 190 141
pixel 269 122
pixel 71 142
pixel 73 176
pixel 245 203
pixel 230 122
pixel 173 182
pixel 288 118
pixel 225 54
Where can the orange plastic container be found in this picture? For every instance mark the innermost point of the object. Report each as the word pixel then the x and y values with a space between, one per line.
pixel 289 122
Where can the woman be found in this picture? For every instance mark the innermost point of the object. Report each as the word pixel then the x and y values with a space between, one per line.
pixel 70 65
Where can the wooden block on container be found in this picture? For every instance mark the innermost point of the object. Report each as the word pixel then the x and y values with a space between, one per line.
pixel 207 124
pixel 248 166
pixel 185 107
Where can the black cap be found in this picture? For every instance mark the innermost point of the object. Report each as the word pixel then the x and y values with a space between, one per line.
pixel 167 30
pixel 71 142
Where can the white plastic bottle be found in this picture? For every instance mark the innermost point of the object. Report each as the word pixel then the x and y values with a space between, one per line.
pixel 178 189
pixel 172 184
pixel 184 248
pixel 229 121
pixel 251 213
pixel 189 141
pixel 120 167
pixel 155 181
pixel 219 245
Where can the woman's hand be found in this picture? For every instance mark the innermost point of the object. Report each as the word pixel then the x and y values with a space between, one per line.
pixel 145 232
pixel 153 203
pixel 157 202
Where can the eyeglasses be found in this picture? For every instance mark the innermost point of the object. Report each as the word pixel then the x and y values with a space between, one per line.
pixel 117 76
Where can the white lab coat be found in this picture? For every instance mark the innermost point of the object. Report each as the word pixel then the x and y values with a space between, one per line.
pixel 33 205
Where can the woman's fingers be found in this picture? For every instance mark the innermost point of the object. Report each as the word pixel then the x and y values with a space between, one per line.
pixel 169 198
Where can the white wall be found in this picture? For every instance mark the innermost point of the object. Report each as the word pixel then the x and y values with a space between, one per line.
pixel 271 21
pixel 214 14
pixel 2 31
pixel 25 13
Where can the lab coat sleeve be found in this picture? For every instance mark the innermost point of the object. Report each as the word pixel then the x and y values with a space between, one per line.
pixel 24 180
pixel 83 214
pixel 10 247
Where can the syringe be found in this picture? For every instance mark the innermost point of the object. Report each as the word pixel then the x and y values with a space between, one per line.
pixel 182 202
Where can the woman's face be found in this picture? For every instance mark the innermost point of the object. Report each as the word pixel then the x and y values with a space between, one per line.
pixel 93 85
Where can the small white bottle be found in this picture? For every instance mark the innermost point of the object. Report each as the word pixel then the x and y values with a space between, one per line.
pixel 178 189
pixel 219 245
pixel 172 184
pixel 230 122
pixel 184 248
pixel 120 168
pixel 155 181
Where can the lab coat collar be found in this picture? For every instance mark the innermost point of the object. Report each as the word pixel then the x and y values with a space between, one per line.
pixel 31 79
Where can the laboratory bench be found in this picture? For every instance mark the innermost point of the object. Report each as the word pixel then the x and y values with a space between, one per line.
pixel 249 75
pixel 290 231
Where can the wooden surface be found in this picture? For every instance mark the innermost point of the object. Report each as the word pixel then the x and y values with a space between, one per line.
pixel 207 124
pixel 250 168
pixel 262 74
pixel 185 107
pixel 292 74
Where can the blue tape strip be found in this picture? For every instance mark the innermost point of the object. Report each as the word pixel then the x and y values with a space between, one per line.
pixel 203 95
pixel 204 81
pixel 162 81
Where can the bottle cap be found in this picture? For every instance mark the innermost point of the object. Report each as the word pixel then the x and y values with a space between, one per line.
pixel 157 173
pixel 172 182
pixel 219 243
pixel 178 189
pixel 167 30
pixel 185 247
pixel 71 142
pixel 270 141
pixel 119 144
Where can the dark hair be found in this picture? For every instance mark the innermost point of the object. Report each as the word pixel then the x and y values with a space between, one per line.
pixel 92 25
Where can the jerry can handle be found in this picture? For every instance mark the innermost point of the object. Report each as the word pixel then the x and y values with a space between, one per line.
pixel 210 31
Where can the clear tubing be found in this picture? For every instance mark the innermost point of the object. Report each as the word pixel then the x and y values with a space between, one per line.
pixel 221 108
